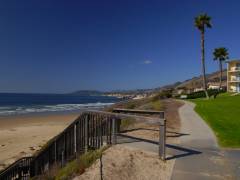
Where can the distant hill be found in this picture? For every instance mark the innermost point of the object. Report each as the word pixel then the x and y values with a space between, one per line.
pixel 196 82
pixel 169 86
pixel 87 93
pixel 135 91
pixel 193 83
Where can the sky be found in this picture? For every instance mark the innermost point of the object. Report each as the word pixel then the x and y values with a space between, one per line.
pixel 56 46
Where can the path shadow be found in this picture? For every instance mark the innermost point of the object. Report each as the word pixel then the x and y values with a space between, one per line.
pixel 186 152
pixel 169 133
pixel 176 134
pixel 181 151
pixel 136 129
pixel 136 139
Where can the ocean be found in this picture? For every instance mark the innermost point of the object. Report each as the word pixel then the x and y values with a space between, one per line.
pixel 15 104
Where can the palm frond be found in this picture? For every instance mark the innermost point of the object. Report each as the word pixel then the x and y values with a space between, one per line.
pixel 203 20
pixel 220 54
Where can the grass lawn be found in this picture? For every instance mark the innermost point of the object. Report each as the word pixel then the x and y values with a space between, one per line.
pixel 223 115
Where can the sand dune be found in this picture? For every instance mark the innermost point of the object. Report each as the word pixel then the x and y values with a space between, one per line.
pixel 121 163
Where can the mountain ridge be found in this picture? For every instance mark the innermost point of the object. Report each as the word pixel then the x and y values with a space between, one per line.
pixel 192 83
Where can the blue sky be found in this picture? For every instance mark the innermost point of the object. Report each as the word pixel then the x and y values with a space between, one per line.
pixel 54 46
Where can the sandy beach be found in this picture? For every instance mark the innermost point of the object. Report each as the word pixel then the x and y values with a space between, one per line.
pixel 23 135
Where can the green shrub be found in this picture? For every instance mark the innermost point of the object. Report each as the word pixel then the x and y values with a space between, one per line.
pixel 131 105
pixel 79 165
pixel 148 103
pixel 152 105
pixel 201 94
pixel 127 122
pixel 162 95
pixel 73 168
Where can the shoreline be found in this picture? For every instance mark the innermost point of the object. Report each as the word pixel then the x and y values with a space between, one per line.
pixel 44 109
pixel 40 114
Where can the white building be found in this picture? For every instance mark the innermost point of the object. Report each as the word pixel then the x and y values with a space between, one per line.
pixel 233 76
pixel 215 85
pixel 198 89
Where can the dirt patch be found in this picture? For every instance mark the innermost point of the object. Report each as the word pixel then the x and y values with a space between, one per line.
pixel 121 163
pixel 151 132
pixel 170 107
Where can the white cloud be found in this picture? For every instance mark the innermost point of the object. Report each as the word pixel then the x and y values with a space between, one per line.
pixel 147 62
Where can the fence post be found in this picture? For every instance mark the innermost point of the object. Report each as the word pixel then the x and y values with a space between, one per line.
pixel 86 133
pixel 162 137
pixel 63 150
pixel 114 137
pixel 75 138
pixel 20 173
pixel 55 151
pixel 32 169
pixel 100 132
pixel 62 159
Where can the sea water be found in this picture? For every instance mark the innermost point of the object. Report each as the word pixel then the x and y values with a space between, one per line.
pixel 14 103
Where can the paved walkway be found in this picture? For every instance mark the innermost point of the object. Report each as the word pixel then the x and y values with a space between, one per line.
pixel 197 154
pixel 203 159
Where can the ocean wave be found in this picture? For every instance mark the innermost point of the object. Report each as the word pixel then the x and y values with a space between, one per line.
pixel 4 108
pixel 14 110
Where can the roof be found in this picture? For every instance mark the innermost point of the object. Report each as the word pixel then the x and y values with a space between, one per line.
pixel 233 60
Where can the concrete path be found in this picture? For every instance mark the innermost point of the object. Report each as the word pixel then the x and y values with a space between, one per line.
pixel 197 155
pixel 200 157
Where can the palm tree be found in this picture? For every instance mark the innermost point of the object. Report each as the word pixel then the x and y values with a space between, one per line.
pixel 201 22
pixel 220 54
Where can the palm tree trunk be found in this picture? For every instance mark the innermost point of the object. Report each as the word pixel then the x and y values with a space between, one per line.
pixel 203 64
pixel 220 81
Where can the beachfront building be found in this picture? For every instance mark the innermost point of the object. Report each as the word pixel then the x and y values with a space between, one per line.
pixel 215 85
pixel 198 89
pixel 233 76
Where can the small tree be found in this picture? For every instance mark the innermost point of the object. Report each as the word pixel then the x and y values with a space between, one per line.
pixel 201 22
pixel 220 54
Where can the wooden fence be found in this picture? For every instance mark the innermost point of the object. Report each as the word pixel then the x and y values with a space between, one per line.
pixel 91 130
pixel 162 126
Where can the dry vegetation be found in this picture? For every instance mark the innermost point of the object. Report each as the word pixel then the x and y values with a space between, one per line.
pixel 73 168
pixel 150 103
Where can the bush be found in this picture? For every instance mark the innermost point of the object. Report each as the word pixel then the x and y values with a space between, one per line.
pixel 149 103
pixel 163 94
pixel 127 122
pixel 201 94
pixel 79 165
pixel 72 168
pixel 195 95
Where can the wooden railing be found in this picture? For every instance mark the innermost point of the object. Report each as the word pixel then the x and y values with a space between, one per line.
pixel 91 130
pixel 139 111
pixel 19 170
pixel 162 125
